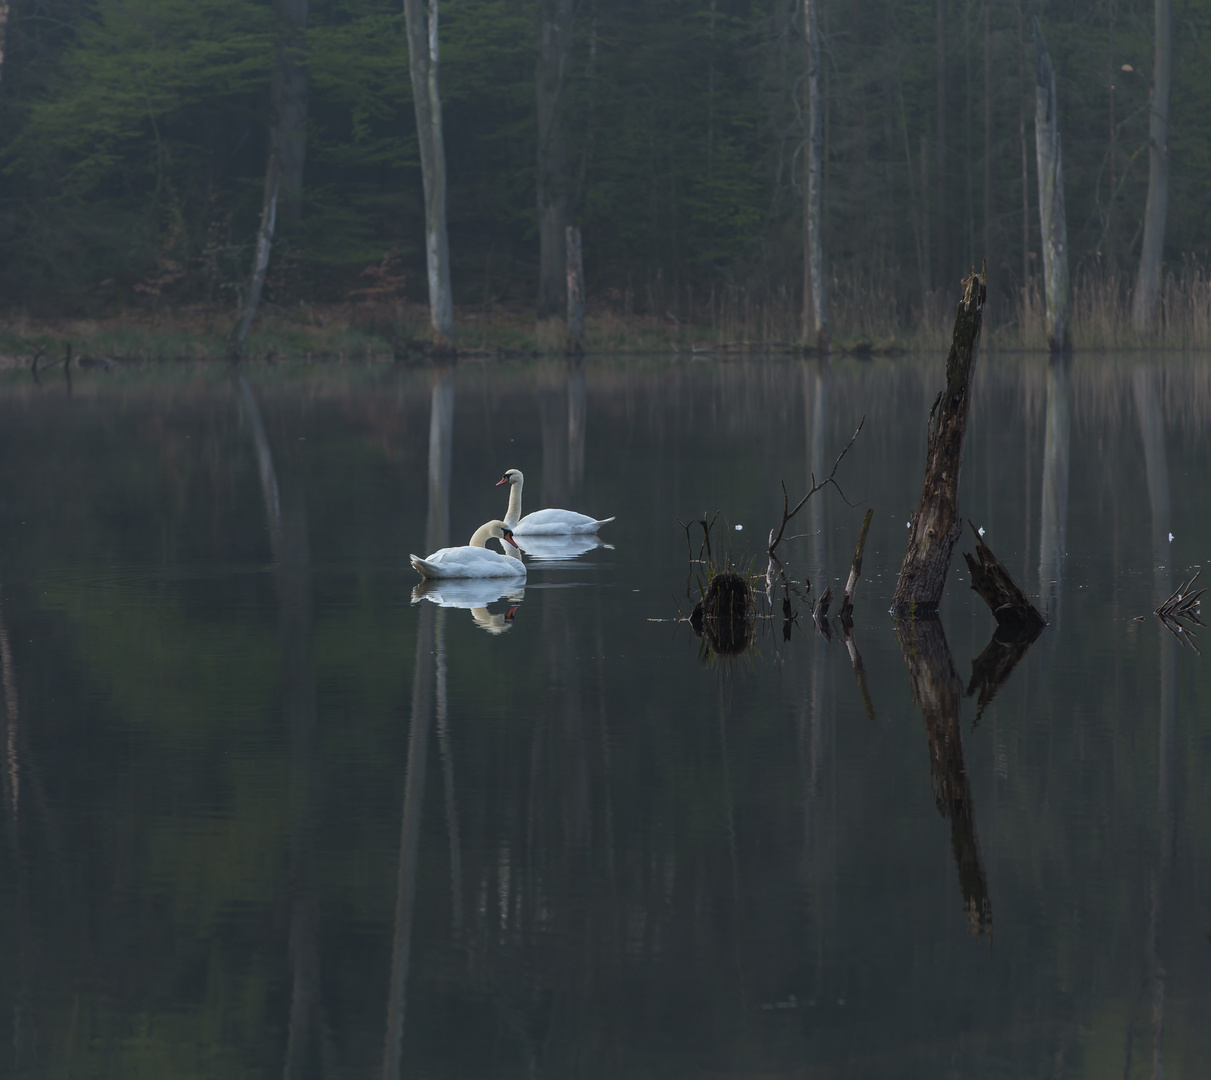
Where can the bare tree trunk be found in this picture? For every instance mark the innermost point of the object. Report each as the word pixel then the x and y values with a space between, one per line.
pixel 287 148
pixel 987 133
pixel 1053 225
pixel 940 179
pixel 264 245
pixel 1110 247
pixel 1148 280
pixel 1022 145
pixel 575 277
pixel 5 6
pixel 421 20
pixel 288 134
pixel 936 525
pixel 815 298
pixel 555 18
pixel 927 243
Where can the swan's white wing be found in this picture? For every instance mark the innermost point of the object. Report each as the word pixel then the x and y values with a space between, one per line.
pixel 468 562
pixel 554 522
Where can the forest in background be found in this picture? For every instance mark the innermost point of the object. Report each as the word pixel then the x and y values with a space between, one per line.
pixel 133 143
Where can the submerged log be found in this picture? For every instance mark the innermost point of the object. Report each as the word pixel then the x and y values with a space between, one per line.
pixel 936 525
pixel 994 585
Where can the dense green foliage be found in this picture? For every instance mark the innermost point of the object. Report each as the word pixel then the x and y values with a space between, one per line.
pixel 133 140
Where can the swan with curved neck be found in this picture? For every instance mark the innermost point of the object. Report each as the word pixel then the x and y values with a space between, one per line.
pixel 474 559
pixel 550 522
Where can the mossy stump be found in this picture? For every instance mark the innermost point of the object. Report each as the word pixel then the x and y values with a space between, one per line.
pixel 726 614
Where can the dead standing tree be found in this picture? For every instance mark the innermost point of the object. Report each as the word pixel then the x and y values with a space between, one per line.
pixel 287 148
pixel 1148 279
pixel 815 289
pixel 4 10
pixel 1052 222
pixel 555 24
pixel 575 292
pixel 936 525
pixel 421 21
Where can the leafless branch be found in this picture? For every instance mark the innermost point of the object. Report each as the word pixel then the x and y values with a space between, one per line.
pixel 829 479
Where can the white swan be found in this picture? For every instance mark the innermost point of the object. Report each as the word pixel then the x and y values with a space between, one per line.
pixel 473 560
pixel 543 522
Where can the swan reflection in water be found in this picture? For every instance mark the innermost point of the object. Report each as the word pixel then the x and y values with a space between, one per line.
pixel 545 547
pixel 475 596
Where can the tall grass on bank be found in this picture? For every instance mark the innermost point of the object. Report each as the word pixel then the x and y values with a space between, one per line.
pixel 872 309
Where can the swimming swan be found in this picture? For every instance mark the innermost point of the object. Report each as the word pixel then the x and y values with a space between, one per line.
pixel 473 560
pixel 548 522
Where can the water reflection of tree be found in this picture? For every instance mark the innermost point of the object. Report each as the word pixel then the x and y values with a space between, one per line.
pixel 286 519
pixel 1156 467
pixel 1053 517
pixel 429 682
pixel 937 692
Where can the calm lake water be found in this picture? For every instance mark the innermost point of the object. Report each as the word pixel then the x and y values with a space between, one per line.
pixel 266 815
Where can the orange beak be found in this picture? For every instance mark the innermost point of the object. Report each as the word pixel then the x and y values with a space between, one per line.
pixel 502 480
pixel 509 537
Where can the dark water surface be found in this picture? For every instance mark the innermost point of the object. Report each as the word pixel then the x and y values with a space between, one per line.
pixel 263 815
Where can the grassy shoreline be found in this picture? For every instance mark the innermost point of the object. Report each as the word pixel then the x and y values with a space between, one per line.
pixel 399 331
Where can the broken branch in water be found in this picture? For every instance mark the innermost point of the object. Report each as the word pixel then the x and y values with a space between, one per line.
pixel 1180 613
pixel 846 613
pixel 829 479
pixel 1183 604
pixel 994 585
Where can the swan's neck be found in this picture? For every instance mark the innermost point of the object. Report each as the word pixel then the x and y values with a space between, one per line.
pixel 513 514
pixel 482 535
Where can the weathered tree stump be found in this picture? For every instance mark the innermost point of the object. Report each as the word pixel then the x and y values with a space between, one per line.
pixel 936 525
pixel 992 583
pixel 726 614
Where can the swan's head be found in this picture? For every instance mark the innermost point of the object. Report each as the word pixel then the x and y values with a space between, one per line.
pixel 500 531
pixel 512 476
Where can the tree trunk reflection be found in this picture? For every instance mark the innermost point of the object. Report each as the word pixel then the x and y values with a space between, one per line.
pixel 937 692
pixel 1053 517
pixel 429 675
pixel 1156 467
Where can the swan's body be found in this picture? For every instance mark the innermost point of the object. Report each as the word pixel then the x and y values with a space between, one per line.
pixel 474 559
pixel 543 522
